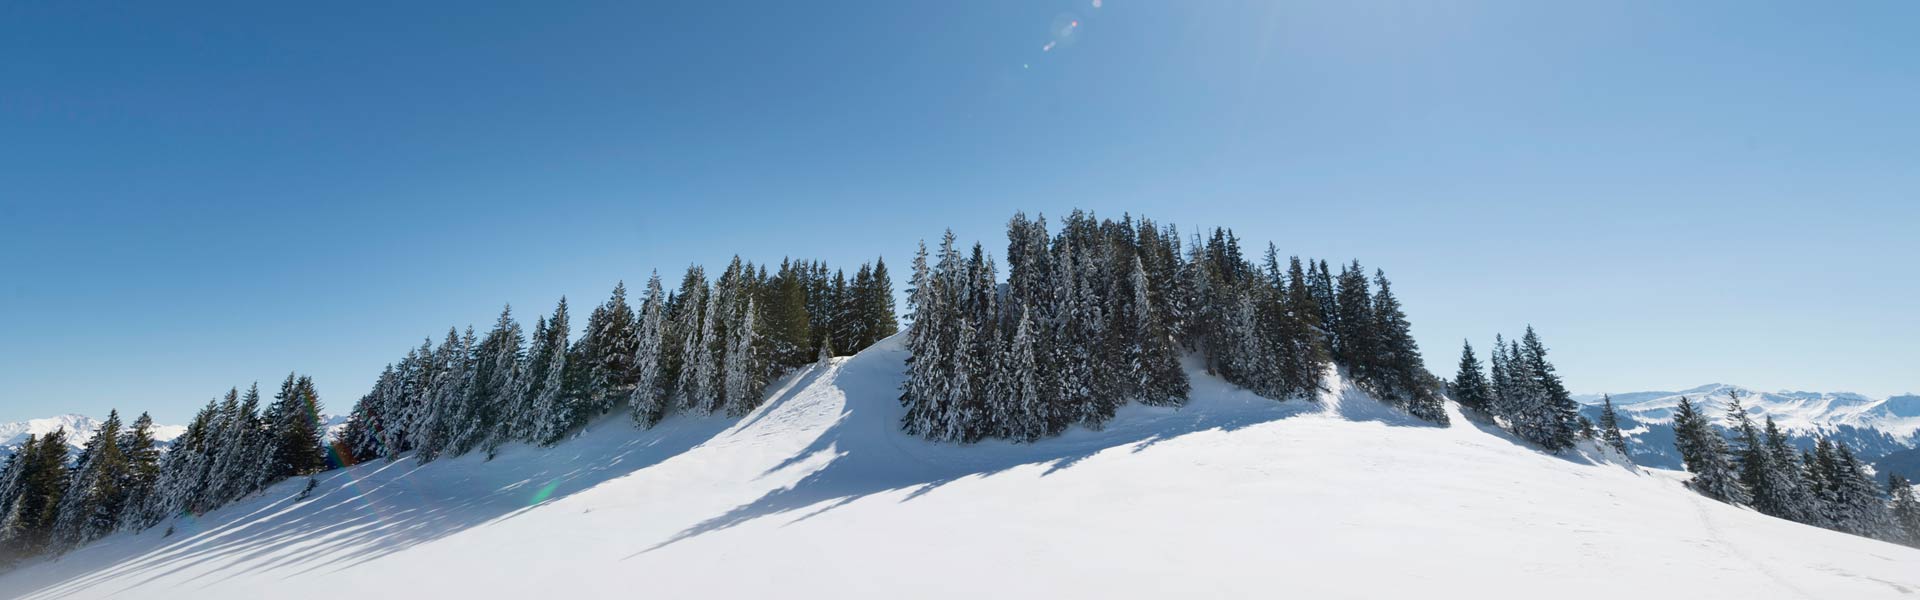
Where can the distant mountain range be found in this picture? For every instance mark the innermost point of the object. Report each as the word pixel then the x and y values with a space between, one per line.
pixel 1873 427
pixel 79 428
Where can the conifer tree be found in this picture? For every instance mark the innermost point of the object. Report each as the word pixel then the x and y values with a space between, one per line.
pixel 550 408
pixel 27 526
pixel 1470 387
pixel 1501 398
pixel 95 491
pixel 1805 505
pixel 1398 369
pixel 648 401
pixel 607 355
pixel 1151 357
pixel 495 387
pixel 143 468
pixel 293 429
pixel 744 373
pixel 1353 325
pixel 1610 426
pixel 1905 509
pixel 446 394
pixel 1705 454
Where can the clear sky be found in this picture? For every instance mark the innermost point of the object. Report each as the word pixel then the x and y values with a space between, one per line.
pixel 196 196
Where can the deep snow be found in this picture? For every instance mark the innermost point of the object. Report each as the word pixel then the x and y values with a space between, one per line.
pixel 817 494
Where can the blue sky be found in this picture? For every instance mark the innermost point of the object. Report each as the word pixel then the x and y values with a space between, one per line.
pixel 196 197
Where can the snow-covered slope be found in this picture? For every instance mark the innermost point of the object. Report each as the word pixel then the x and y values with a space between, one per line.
pixel 1872 427
pixel 817 494
pixel 79 428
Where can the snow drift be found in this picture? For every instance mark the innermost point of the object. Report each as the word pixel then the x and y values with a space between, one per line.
pixel 818 494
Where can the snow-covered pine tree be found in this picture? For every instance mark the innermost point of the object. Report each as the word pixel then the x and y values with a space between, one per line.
pixel 1500 390
pixel 1151 357
pixel 687 340
pixel 1855 505
pixel 551 407
pixel 785 331
pixel 1205 311
pixel 698 378
pixel 1805 505
pixel 1470 387
pixel 1549 414
pixel 1303 350
pixel 293 429
pixel 648 401
pixel 1610 426
pixel 743 369
pixel 608 352
pixel 11 476
pixel 1905 509
pixel 1706 456
pixel 228 427
pixel 1328 301
pixel 1354 328
pixel 1399 369
pixel 1772 494
pixel 878 320
pixel 94 491
pixel 925 390
pixel 143 469
pixel 492 383
pixel 445 393
pixel 27 525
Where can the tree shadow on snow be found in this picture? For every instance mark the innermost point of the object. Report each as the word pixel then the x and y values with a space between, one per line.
pixel 361 513
pixel 865 453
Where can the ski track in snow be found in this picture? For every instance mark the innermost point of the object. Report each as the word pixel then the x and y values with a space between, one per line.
pixel 818 494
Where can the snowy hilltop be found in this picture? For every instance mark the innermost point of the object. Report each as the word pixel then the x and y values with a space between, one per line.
pixel 822 494
pixel 1873 427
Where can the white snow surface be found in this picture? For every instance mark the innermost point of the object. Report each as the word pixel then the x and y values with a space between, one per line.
pixel 817 494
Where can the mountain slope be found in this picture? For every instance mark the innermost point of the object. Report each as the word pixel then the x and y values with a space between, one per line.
pixel 817 494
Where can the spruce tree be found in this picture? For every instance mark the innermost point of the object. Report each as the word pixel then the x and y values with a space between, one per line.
pixel 143 468
pixel 95 490
pixel 1706 456
pixel 1470 387
pixel 744 373
pixel 1399 371
pixel 293 429
pixel 1151 357
pixel 550 408
pixel 648 401
pixel 1905 509
pixel 27 526
pixel 1610 426
pixel 608 355
pixel 1353 326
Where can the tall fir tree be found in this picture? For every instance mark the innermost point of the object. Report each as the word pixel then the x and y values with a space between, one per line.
pixel 1905 509
pixel 1470 387
pixel 1610 426
pixel 1706 456
pixel 648 402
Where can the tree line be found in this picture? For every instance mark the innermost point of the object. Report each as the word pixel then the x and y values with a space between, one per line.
pixel 702 348
pixel 121 480
pixel 1826 486
pixel 1098 314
